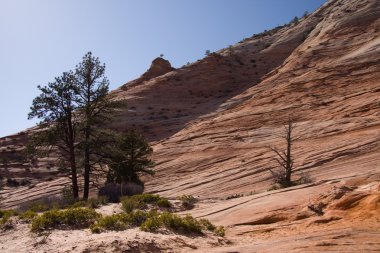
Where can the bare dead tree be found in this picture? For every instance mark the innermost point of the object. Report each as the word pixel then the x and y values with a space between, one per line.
pixel 284 158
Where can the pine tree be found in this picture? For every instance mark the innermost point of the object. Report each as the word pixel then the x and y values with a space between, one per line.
pixel 55 107
pixel 96 108
pixel 129 159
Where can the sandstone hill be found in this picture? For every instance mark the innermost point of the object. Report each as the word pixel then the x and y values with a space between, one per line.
pixel 211 124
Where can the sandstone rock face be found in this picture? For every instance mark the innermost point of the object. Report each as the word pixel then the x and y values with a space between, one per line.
pixel 158 67
pixel 211 124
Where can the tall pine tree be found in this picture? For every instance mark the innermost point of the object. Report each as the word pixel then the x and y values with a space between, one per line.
pixel 55 107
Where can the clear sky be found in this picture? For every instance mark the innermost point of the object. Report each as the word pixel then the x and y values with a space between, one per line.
pixel 40 39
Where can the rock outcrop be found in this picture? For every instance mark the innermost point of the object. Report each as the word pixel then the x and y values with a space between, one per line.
pixel 158 67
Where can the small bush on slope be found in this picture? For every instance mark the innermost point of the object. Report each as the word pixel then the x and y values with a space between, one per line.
pixel 122 221
pixel 188 201
pixel 28 215
pixel 70 218
pixel 5 221
pixel 140 201
pixel 151 221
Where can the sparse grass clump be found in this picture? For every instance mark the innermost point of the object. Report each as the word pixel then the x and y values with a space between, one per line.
pixel 186 225
pixel 28 215
pixel 79 217
pixel 97 202
pixel 121 221
pixel 206 224
pixel 178 224
pixel 188 201
pixel 220 231
pixel 5 218
pixel 141 201
pixel 69 218
pixel 151 221
pixel 7 213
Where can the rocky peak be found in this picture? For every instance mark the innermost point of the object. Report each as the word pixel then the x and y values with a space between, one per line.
pixel 159 67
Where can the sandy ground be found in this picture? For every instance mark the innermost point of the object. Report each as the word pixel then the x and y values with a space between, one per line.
pixel 265 222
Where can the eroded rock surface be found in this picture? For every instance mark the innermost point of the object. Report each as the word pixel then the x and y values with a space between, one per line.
pixel 211 124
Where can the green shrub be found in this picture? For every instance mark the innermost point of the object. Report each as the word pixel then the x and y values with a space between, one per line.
pixel 130 204
pixel 206 224
pixel 140 201
pixel 7 213
pixel 97 202
pixel 164 203
pixel 5 216
pixel 220 231
pixel 151 224
pixel 71 218
pixel 28 215
pixel 115 222
pixel 122 221
pixel 95 229
pixel 138 217
pixel 186 225
pixel 188 201
pixel 77 204
pixel 151 221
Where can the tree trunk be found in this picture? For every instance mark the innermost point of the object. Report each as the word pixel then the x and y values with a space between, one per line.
pixel 87 166
pixel 74 179
pixel 289 165
pixel 73 165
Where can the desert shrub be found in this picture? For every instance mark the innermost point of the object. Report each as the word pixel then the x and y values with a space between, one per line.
pixel 152 224
pixel 114 191
pixel 131 204
pixel 115 222
pixel 164 203
pixel 122 221
pixel 188 201
pixel 151 221
pixel 220 231
pixel 5 219
pixel 186 225
pixel 97 202
pixel 28 215
pixel 206 224
pixel 77 204
pixel 69 218
pixel 95 229
pixel 140 202
pixel 90 203
pixel 7 213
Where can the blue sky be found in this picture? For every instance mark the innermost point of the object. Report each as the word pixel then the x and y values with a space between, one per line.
pixel 40 39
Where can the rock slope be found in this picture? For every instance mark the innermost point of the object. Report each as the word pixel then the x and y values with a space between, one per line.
pixel 211 124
